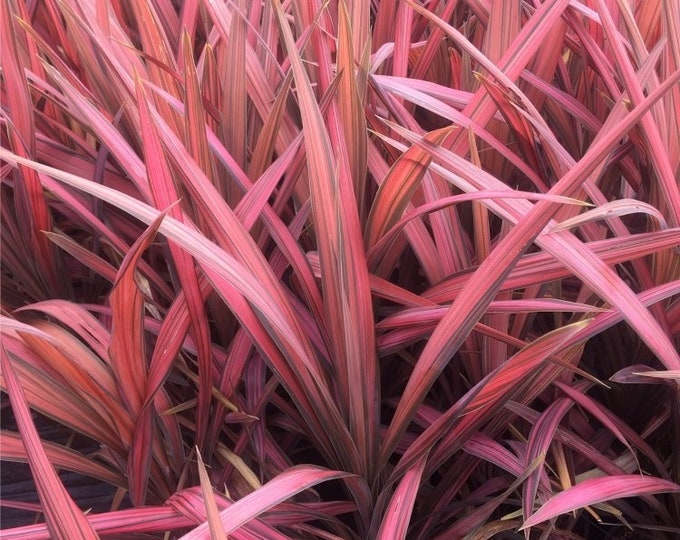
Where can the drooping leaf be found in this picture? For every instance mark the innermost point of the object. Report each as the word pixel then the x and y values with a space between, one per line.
pixel 277 490
pixel 621 207
pixel 64 519
pixel 597 490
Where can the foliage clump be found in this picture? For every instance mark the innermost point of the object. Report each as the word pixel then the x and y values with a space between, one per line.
pixel 341 269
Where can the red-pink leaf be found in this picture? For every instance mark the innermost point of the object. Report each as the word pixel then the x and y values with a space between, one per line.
pixel 615 425
pixel 274 328
pixel 381 245
pixel 540 439
pixel 31 206
pixel 267 137
pixel 398 187
pixel 455 426
pixel 350 104
pixel 165 195
pixel 114 524
pixel 140 456
pixel 128 359
pixel 484 447
pixel 564 246
pixel 398 513
pixel 659 156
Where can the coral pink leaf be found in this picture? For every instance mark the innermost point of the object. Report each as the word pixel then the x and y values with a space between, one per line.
pixel 659 156
pixel 517 123
pixel 383 242
pixel 83 255
pixel 165 195
pixel 19 104
pixel 140 456
pixel 235 94
pixel 541 267
pixel 64 519
pixel 564 246
pixel 127 350
pixel 266 140
pixel 398 187
pixel 597 490
pixel 128 359
pixel 236 282
pixel 171 338
pixel 78 320
pixel 77 402
pixel 194 118
pixel 350 103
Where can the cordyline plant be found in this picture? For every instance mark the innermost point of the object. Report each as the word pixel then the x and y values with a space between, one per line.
pixel 340 269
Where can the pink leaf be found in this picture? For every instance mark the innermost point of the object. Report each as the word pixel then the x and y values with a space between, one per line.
pixel 398 513
pixel 281 488
pixel 597 490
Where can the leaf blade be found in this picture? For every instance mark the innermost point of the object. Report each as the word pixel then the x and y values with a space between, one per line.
pixel 597 490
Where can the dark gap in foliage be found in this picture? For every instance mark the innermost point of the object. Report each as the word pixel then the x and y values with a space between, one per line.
pixel 17 480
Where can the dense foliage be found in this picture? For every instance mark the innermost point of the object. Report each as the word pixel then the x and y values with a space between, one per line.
pixel 340 269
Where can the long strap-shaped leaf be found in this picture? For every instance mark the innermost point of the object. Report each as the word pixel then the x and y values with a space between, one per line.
pixel 276 491
pixel 127 352
pixel 597 490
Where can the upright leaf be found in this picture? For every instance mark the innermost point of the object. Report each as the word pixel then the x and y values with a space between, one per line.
pixel 344 277
pixel 127 352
